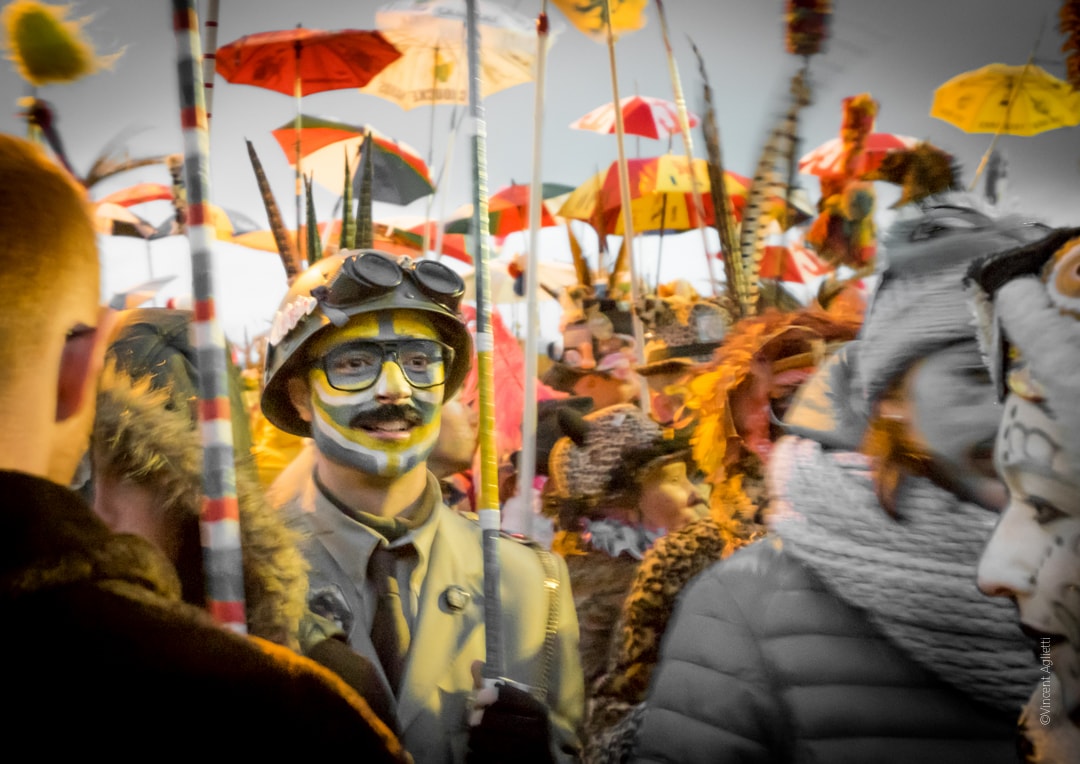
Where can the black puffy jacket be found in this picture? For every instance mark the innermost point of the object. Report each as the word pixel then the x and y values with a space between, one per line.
pixel 763 664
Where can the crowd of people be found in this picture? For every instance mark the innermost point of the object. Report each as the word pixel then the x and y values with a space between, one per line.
pixel 846 532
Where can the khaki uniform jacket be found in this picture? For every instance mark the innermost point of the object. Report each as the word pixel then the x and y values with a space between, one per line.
pixel 447 631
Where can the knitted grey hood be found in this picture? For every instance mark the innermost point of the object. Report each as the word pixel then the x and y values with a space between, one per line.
pixel 921 305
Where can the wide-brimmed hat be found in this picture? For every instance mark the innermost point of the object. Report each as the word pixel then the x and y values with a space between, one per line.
pixel 681 329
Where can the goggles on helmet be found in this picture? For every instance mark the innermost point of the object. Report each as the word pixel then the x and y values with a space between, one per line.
pixel 356 366
pixel 370 274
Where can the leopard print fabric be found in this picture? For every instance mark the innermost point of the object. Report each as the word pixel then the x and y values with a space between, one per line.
pixel 666 569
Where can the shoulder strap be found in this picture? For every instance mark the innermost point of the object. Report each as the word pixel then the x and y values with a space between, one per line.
pixel 551 629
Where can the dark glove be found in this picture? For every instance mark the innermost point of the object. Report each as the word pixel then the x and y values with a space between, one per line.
pixel 514 727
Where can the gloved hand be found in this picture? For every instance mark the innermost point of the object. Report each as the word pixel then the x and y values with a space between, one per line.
pixel 508 724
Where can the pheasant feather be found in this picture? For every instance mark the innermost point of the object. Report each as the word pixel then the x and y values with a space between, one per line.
pixel 768 183
pixel 725 211
pixel 348 221
pixel 281 237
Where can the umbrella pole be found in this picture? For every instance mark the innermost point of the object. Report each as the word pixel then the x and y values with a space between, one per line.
pixel 627 213
pixel 688 143
pixel 219 516
pixel 527 463
pixel 448 163
pixel 488 500
pixel 298 93
pixel 1008 107
pixel 431 149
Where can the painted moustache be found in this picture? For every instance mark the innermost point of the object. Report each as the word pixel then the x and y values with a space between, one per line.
pixel 372 418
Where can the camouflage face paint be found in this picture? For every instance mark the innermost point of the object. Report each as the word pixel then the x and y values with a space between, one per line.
pixel 388 428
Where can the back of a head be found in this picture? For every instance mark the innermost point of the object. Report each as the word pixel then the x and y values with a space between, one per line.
pixel 920 305
pixel 48 255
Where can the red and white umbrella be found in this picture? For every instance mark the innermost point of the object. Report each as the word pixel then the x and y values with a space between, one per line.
pixel 827 158
pixel 642 115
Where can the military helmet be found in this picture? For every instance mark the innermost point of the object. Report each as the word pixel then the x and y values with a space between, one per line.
pixel 347 284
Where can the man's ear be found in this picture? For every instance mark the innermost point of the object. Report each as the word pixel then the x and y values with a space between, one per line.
pixel 80 365
pixel 300 396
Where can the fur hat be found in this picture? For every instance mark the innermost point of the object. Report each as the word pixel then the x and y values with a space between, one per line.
pixel 1027 305
pixel 681 328
pixel 920 305
pixel 583 462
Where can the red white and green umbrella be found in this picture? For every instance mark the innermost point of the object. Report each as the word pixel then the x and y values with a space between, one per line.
pixel 400 175
pixel 508 210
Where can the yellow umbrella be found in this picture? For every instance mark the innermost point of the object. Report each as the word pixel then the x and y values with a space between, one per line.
pixel 1001 98
pixel 1004 99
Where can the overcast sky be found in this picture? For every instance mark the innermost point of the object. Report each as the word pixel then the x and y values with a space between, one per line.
pixel 899 52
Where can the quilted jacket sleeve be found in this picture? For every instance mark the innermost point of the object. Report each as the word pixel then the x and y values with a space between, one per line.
pixel 712 698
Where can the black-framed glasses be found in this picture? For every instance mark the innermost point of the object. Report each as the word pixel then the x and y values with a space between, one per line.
pixel 368 274
pixel 356 366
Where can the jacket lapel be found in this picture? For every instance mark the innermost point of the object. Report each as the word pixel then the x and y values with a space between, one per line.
pixel 442 630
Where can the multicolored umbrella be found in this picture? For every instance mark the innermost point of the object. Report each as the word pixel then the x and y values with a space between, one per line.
pixel 645 116
pixel 454 245
pixel 662 196
pixel 116 207
pixel 508 210
pixel 433 68
pixel 827 158
pixel 400 175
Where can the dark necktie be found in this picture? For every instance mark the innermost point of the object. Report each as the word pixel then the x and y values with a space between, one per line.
pixel 389 630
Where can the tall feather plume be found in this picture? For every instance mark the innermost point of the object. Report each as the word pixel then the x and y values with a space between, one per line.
pixel 724 219
pixel 1069 25
pixel 581 268
pixel 622 265
pixel 348 221
pixel 365 233
pixel 314 244
pixel 767 182
pixel 286 251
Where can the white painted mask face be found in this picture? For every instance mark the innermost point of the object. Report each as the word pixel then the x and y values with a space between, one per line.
pixel 390 426
pixel 1034 554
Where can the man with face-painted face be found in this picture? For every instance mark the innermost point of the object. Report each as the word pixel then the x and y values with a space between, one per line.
pixel 363 353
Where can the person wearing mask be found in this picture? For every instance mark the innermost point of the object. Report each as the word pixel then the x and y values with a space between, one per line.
pixel 1026 303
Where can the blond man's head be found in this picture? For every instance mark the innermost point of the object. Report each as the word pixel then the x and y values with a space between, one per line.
pixel 49 312
pixel 48 250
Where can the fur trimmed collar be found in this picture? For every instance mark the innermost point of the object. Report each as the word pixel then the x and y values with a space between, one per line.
pixel 49 538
